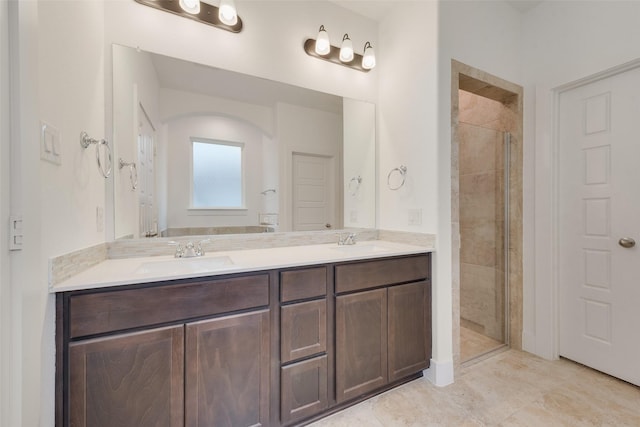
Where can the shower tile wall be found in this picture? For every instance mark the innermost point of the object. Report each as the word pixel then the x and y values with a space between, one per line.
pixel 482 123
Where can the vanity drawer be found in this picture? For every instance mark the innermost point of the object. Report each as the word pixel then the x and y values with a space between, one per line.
pixel 370 274
pixel 102 312
pixel 304 390
pixel 303 284
pixel 303 330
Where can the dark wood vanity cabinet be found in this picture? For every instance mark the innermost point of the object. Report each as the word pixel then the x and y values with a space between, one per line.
pixel 277 348
pixel 361 343
pixel 133 379
pixel 304 374
pixel 382 334
pixel 227 371
pixel 168 354
pixel 409 329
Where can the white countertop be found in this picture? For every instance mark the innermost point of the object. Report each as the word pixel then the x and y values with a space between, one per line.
pixel 116 272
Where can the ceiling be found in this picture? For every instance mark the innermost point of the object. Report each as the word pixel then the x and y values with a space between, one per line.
pixel 196 78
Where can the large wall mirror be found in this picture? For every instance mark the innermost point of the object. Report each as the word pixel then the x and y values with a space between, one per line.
pixel 200 150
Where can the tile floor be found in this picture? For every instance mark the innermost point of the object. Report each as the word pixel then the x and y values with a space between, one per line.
pixel 512 388
pixel 474 344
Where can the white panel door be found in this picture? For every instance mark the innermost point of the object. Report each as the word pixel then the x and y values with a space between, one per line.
pixel 146 176
pixel 599 204
pixel 313 192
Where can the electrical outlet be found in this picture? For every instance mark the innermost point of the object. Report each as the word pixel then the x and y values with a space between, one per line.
pixel 353 216
pixel 415 216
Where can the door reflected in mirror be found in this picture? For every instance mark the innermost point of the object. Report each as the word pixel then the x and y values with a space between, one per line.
pixel 303 160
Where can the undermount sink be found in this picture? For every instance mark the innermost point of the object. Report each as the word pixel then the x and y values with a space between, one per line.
pixel 186 265
pixel 360 248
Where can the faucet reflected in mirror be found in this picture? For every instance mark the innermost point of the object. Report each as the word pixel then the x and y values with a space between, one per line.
pixel 301 142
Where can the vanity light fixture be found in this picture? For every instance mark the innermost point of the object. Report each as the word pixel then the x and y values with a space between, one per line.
pixel 368 57
pixel 190 6
pixel 321 48
pixel 346 49
pixel 227 12
pixel 224 17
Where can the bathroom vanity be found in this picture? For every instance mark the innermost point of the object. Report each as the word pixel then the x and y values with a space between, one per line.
pixel 274 346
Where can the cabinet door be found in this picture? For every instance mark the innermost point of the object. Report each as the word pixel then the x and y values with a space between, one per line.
pixel 227 371
pixel 303 329
pixel 304 389
pixel 128 380
pixel 361 343
pixel 409 329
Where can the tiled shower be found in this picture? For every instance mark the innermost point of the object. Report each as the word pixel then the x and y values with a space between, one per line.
pixel 483 150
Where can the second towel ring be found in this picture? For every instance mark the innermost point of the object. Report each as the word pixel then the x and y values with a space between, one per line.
pixel 402 170
pixel 86 141
pixel 133 172
pixel 354 185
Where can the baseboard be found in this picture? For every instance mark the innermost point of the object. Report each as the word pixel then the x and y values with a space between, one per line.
pixel 440 374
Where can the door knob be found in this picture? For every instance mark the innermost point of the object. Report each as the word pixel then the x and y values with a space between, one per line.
pixel 327 225
pixel 627 242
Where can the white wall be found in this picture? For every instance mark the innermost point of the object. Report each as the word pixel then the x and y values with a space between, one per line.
pixel 5 289
pixel 269 46
pixel 270 180
pixel 359 159
pixel 180 132
pixel 307 131
pixel 485 35
pixel 71 99
pixel 135 83
pixel 407 113
pixel 176 103
pixel 58 203
pixel 563 41
pixel 61 62
pixel 417 43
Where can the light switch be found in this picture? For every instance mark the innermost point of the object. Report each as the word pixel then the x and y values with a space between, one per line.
pixel 50 149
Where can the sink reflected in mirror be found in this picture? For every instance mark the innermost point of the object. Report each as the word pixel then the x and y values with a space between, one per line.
pixel 186 266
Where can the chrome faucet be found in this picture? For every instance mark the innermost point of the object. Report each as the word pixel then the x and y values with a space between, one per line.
pixel 349 239
pixel 189 250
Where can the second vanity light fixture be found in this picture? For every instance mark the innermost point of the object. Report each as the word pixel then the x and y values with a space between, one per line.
pixel 321 48
pixel 223 16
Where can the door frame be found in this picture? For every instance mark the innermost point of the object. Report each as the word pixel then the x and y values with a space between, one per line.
pixel 555 196
pixel 7 400
pixel 461 71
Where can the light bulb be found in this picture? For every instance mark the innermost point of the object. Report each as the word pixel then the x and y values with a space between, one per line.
pixel 190 6
pixel 369 57
pixel 323 46
pixel 227 12
pixel 346 50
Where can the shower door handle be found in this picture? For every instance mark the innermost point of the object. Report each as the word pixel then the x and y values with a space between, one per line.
pixel 627 242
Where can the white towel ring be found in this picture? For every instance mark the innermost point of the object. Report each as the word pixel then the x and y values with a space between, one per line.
pixel 133 172
pixel 86 141
pixel 402 170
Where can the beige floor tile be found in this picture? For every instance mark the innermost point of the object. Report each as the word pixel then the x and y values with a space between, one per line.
pixel 473 344
pixel 512 388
